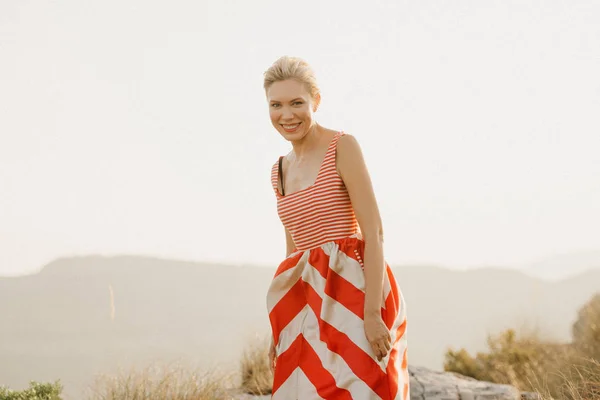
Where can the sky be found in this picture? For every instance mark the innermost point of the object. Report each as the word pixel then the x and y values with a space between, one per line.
pixel 141 127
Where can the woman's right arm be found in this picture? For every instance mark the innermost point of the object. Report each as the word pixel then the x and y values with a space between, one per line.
pixel 290 246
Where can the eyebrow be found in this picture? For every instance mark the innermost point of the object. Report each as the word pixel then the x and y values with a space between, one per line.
pixel 297 98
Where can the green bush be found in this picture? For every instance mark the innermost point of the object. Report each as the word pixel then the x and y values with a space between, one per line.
pixel 36 391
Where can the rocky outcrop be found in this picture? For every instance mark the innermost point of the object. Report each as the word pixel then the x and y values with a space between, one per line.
pixel 426 384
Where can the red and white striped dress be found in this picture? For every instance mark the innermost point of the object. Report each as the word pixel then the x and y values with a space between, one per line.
pixel 316 301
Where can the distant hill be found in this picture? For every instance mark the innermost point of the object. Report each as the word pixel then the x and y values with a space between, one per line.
pixel 565 265
pixel 87 315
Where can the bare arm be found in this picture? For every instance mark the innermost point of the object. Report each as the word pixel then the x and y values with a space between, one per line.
pixel 352 169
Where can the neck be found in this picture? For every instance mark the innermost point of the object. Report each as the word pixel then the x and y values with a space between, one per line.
pixel 308 143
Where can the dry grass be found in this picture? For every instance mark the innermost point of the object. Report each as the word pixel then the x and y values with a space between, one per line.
pixel 256 376
pixel 584 382
pixel 171 382
pixel 521 361
pixel 579 382
pixel 176 382
pixel 554 370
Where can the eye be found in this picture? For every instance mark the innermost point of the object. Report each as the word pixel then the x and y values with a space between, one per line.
pixel 297 102
pixel 274 105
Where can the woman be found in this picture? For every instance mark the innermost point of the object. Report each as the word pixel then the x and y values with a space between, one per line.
pixel 337 315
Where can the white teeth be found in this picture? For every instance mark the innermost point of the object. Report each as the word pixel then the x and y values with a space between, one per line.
pixel 290 126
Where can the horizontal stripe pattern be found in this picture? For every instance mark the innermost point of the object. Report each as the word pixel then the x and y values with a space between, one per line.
pixel 321 212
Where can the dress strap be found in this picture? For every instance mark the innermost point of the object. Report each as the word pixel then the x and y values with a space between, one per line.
pixel 275 176
pixel 336 138
pixel 280 171
pixel 329 161
pixel 327 165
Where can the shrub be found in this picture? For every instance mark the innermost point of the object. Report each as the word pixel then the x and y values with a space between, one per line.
pixel 162 382
pixel 586 330
pixel 518 361
pixel 581 381
pixel 555 370
pixel 256 375
pixel 36 391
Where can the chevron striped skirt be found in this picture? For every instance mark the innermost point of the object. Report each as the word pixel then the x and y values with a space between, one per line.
pixel 316 308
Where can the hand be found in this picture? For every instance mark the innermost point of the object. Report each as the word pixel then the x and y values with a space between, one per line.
pixel 272 356
pixel 378 335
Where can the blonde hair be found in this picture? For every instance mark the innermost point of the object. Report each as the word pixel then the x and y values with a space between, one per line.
pixel 287 67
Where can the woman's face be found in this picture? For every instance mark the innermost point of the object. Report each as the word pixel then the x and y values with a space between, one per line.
pixel 291 108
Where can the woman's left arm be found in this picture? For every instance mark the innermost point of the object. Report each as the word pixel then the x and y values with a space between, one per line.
pixel 351 167
pixel 353 170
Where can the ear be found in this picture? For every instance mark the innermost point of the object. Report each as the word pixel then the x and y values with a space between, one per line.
pixel 316 102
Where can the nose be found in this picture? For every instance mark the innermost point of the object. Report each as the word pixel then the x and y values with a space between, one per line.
pixel 287 113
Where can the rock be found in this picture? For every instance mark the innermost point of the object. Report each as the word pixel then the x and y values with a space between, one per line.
pixel 249 397
pixel 426 384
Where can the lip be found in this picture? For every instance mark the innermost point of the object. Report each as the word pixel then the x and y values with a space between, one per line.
pixel 291 130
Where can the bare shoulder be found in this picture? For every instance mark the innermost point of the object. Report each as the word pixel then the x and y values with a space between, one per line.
pixel 347 143
pixel 349 157
pixel 328 134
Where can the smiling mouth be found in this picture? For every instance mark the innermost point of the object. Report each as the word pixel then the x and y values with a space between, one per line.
pixel 291 126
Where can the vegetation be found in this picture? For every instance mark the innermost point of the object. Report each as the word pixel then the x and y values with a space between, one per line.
pixel 257 378
pixel 586 330
pixel 163 382
pixel 554 370
pixel 177 383
pixel 36 391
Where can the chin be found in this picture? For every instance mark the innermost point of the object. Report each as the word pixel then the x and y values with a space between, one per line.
pixel 294 136
pixel 299 134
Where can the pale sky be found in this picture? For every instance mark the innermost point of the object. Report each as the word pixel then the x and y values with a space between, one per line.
pixel 141 127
